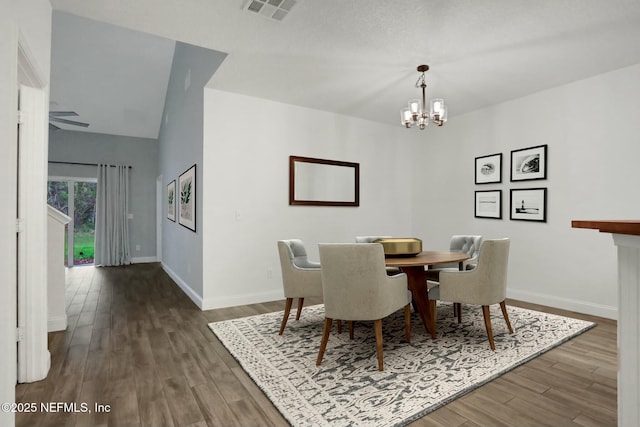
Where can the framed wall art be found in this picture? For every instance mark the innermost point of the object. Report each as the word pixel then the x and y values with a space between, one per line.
pixel 529 163
pixel 171 200
pixel 489 169
pixel 529 204
pixel 187 198
pixel 488 204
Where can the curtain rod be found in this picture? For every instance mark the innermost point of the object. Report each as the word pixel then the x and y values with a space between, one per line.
pixel 81 164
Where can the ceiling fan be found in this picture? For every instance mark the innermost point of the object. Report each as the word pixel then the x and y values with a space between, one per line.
pixel 55 116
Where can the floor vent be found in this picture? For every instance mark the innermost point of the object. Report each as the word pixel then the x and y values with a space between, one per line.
pixel 272 9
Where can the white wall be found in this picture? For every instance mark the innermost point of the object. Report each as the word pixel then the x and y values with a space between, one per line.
pixel 180 147
pixel 29 21
pixel 56 271
pixel 245 189
pixel 591 128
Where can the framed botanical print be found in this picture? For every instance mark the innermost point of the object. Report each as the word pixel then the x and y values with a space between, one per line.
pixel 488 204
pixel 187 198
pixel 529 204
pixel 489 169
pixel 529 163
pixel 171 201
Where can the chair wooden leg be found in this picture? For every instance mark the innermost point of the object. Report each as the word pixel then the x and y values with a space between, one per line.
pixel 377 325
pixel 325 337
pixel 487 324
pixel 287 309
pixel 339 326
pixel 350 329
pixel 458 310
pixel 503 306
pixel 407 321
pixel 434 314
pixel 300 304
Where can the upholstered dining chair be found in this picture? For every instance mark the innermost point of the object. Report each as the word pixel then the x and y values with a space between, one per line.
pixel 356 286
pixel 470 244
pixel 370 239
pixel 484 285
pixel 300 276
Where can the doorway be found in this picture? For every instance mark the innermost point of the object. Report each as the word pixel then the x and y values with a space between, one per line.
pixel 76 198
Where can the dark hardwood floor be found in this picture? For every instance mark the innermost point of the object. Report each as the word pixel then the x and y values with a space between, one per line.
pixel 136 343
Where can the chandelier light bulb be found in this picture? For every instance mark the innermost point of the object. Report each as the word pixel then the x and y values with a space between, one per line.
pixel 406 117
pixel 416 108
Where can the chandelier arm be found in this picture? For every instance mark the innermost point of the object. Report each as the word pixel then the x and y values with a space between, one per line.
pixel 424 98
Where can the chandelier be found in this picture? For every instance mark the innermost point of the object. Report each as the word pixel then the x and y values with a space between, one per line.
pixel 417 113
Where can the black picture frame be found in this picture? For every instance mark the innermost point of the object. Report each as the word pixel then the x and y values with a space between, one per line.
pixel 171 201
pixel 528 204
pixel 488 169
pixel 488 204
pixel 528 164
pixel 186 193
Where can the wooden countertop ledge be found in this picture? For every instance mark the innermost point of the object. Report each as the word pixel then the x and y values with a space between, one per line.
pixel 611 226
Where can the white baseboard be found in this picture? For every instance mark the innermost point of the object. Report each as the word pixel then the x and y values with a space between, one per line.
pixel 143 259
pixel 244 299
pixel 197 299
pixel 584 307
pixel 57 323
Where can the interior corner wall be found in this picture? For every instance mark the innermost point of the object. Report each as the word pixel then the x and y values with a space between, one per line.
pixel 140 153
pixel 246 185
pixel 590 127
pixel 30 22
pixel 180 147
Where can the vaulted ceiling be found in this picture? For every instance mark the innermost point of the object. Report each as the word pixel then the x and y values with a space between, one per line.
pixel 355 57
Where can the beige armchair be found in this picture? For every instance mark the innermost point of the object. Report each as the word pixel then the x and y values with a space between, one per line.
pixel 485 285
pixel 356 287
pixel 300 277
pixel 369 239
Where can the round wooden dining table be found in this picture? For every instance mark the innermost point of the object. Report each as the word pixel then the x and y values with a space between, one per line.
pixel 414 267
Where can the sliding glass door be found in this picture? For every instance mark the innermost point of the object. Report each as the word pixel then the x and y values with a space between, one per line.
pixel 76 198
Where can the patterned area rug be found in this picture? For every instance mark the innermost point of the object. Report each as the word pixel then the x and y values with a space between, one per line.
pixel 348 390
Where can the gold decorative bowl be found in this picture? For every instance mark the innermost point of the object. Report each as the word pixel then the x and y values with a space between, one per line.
pixel 400 246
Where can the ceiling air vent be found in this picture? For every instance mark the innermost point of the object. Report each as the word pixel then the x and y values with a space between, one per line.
pixel 272 9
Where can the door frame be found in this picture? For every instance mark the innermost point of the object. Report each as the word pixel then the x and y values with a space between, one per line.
pixel 159 216
pixel 33 357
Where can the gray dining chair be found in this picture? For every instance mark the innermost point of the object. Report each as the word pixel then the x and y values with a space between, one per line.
pixel 300 276
pixel 356 286
pixel 470 244
pixel 484 285
pixel 369 239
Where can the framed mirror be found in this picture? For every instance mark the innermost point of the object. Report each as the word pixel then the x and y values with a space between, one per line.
pixel 320 182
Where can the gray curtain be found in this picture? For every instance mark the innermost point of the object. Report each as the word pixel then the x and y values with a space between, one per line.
pixel 112 210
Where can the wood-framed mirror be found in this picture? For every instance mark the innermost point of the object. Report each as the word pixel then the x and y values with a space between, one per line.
pixel 321 182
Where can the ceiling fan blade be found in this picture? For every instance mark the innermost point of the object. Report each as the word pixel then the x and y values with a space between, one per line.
pixel 69 122
pixel 62 113
pixel 53 127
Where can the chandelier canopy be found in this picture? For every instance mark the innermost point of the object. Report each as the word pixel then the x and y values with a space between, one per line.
pixel 417 112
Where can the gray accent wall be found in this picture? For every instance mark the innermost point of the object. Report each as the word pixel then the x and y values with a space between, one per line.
pixel 140 153
pixel 180 144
